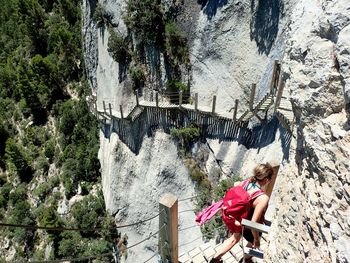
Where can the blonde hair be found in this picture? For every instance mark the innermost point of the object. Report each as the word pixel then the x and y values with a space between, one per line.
pixel 262 171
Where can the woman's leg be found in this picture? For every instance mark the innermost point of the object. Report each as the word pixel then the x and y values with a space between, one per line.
pixel 227 245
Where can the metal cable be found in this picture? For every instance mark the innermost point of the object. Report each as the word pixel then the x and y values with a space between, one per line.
pixel 73 229
pixel 143 240
pixel 187 198
pixel 73 259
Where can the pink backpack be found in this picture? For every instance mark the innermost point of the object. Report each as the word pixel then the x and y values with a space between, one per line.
pixel 235 206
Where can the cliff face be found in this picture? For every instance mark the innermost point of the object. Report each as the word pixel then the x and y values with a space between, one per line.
pixel 234 44
pixel 312 215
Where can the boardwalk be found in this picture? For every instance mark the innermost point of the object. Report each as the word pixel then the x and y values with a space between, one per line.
pixel 147 116
pixel 206 251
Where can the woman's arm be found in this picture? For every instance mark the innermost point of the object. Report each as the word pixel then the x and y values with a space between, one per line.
pixel 260 204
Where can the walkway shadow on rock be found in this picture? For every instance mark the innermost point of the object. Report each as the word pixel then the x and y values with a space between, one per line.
pixel 132 131
pixel 265 22
pixel 210 7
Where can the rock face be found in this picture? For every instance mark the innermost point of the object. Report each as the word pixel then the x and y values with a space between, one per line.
pixel 312 201
pixel 234 44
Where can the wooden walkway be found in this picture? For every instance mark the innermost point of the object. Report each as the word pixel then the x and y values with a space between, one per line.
pixel 206 252
pixel 146 116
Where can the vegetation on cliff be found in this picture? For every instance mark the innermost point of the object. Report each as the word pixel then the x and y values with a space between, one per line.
pixel 48 138
pixel 150 26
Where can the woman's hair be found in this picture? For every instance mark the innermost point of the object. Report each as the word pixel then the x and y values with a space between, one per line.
pixel 262 171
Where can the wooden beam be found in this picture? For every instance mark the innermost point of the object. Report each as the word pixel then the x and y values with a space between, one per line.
pixel 196 101
pixel 255 226
pixel 213 105
pixel 137 98
pixel 273 77
pixel 281 84
pixel 168 229
pixel 121 111
pixel 110 109
pixel 235 110
pixel 252 96
pixel 104 107
pixel 180 98
pixel 275 166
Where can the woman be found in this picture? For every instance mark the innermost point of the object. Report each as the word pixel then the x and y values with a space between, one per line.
pixel 255 187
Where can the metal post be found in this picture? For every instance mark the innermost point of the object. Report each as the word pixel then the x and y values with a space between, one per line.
pixel 168 228
pixel 235 110
pixel 252 96
pixel 196 101
pixel 157 100
pixel 213 106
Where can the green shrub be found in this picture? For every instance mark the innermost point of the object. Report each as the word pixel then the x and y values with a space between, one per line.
pixel 42 190
pixel 17 155
pixel 49 149
pixel 186 135
pixel 117 47
pixel 89 212
pixel 18 195
pixel 145 18
pixel 50 218
pixel 137 76
pixel 176 86
pixel 70 245
pixel 176 44
pixel 4 194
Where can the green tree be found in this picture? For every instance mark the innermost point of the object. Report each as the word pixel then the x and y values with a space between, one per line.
pixel 16 154
pixel 70 245
pixel 117 47
pixel 145 18
pixel 89 212
pixel 50 218
pixel 176 44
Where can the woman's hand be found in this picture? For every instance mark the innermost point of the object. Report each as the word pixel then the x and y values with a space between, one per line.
pixel 256 243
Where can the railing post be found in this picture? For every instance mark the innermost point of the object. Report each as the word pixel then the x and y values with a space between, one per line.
pixel 273 77
pixel 168 228
pixel 213 106
pixel 104 107
pixel 252 96
pixel 157 100
pixel 180 98
pixel 96 110
pixel 281 84
pixel 196 101
pixel 235 110
pixel 110 110
pixel 121 111
pixel 137 99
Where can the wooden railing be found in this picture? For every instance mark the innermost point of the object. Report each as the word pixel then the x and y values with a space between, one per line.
pixel 146 116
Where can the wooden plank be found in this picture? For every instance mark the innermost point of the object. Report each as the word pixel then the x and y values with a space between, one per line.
pixel 256 226
pixel 254 252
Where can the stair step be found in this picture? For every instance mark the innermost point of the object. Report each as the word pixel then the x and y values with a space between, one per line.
pixel 254 252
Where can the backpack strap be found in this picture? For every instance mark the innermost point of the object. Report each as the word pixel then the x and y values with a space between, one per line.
pixel 256 194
